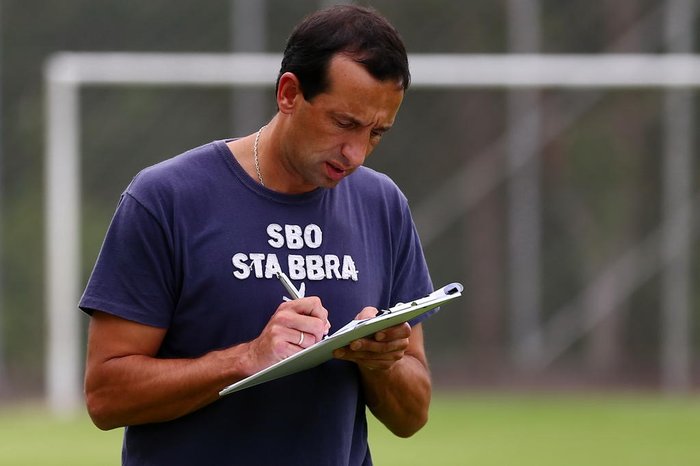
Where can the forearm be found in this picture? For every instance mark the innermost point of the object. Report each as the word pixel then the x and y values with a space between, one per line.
pixel 138 389
pixel 400 396
pixel 126 384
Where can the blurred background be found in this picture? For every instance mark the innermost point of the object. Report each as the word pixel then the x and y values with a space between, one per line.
pixel 570 212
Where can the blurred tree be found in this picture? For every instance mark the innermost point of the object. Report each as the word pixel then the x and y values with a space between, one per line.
pixel 605 345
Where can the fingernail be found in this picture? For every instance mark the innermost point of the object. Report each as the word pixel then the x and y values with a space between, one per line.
pixel 355 345
pixel 380 336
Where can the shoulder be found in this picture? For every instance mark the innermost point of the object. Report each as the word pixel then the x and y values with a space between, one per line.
pixel 375 185
pixel 374 195
pixel 178 174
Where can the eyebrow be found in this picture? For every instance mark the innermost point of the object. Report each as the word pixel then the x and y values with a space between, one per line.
pixel 355 121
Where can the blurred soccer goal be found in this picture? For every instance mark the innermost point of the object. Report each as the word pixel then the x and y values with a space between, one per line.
pixel 67 73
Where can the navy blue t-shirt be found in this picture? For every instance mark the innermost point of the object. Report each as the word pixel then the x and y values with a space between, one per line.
pixel 193 248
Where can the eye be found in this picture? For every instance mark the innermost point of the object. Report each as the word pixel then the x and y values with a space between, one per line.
pixel 377 134
pixel 344 124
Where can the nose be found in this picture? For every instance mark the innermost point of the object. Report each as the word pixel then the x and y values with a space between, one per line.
pixel 356 148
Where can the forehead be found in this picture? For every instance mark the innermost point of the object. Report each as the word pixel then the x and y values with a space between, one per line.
pixel 353 89
pixel 344 65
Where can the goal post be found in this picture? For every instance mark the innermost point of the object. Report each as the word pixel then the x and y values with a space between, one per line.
pixel 67 72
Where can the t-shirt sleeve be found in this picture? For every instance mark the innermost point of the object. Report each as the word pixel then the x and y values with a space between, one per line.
pixel 133 277
pixel 411 275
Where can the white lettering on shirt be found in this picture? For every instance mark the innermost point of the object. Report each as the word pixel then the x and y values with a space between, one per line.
pixel 299 267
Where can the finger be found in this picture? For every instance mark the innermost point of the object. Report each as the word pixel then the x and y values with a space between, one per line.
pixel 370 360
pixel 312 306
pixel 366 349
pixel 374 364
pixel 314 328
pixel 368 345
pixel 367 312
pixel 302 339
pixel 293 342
pixel 389 339
pixel 293 315
pixel 396 332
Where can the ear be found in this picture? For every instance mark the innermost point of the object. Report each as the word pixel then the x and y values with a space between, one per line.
pixel 288 92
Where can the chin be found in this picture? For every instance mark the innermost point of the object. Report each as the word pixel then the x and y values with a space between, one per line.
pixel 330 184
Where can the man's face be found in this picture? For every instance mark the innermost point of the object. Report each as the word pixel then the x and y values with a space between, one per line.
pixel 331 135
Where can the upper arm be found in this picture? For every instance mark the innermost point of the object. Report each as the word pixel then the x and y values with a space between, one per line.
pixel 112 337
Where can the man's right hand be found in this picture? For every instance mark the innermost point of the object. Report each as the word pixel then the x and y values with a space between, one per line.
pixel 295 325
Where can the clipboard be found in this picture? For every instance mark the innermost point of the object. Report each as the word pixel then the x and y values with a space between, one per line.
pixel 323 350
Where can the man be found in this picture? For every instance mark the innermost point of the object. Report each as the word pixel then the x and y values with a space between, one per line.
pixel 184 298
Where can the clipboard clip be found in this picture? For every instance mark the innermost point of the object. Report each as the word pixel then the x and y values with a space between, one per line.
pixel 447 290
pixel 452 288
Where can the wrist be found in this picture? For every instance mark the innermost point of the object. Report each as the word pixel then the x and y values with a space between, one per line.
pixel 234 363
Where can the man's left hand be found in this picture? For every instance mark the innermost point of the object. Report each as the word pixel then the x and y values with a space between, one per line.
pixel 379 351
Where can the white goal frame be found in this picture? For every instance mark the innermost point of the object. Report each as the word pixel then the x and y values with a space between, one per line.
pixel 66 73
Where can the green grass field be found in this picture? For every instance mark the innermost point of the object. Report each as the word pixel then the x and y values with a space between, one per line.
pixel 464 429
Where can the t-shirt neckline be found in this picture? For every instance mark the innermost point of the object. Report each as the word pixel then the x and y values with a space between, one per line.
pixel 255 186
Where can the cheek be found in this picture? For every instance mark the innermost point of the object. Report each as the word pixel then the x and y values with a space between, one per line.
pixel 327 142
pixel 370 148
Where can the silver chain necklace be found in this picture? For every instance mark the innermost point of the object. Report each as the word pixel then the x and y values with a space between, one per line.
pixel 255 156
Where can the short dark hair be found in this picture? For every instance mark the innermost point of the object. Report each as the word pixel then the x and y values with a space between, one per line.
pixel 360 32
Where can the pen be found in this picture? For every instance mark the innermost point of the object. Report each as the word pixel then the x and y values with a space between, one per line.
pixel 288 285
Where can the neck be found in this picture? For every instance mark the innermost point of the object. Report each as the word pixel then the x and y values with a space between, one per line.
pixel 269 167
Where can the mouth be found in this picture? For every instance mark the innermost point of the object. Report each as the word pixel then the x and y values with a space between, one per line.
pixel 335 172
